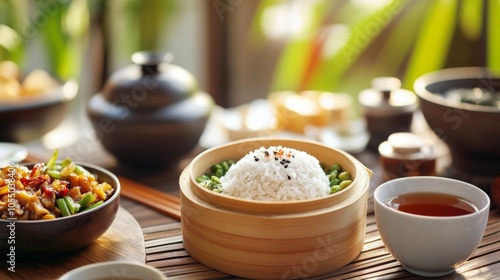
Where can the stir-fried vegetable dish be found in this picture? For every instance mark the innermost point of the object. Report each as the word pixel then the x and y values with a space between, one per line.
pixel 49 190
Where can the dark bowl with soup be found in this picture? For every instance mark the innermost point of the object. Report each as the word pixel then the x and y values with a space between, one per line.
pixel 462 107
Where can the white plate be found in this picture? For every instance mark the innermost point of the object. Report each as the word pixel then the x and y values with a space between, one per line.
pixel 114 270
pixel 12 153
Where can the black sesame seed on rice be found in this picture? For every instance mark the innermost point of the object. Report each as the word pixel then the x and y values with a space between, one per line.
pixel 239 186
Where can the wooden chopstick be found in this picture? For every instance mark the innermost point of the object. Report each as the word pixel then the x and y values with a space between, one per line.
pixel 162 202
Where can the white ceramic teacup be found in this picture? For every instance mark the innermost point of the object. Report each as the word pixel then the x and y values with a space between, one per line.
pixel 428 245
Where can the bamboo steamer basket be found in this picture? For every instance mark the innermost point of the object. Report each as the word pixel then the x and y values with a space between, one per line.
pixel 273 240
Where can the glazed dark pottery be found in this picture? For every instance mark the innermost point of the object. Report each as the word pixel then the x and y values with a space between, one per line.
pixel 45 238
pixel 28 120
pixel 150 113
pixel 387 109
pixel 470 131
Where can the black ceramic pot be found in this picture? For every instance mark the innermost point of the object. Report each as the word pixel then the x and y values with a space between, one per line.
pixel 150 113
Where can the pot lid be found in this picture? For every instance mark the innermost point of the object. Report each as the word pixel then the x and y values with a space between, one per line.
pixel 150 82
pixel 386 96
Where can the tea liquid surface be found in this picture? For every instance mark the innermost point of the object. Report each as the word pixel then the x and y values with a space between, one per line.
pixel 431 204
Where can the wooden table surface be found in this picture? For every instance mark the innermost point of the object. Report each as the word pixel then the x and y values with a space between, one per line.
pixel 163 238
pixel 123 241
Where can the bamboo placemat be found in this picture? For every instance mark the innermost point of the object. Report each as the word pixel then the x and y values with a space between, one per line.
pixel 165 251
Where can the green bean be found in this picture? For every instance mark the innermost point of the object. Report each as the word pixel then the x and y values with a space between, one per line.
pixel 93 206
pixel 52 161
pixel 86 201
pixel 61 203
pixel 54 174
pixel 72 206
pixel 65 162
pixel 80 170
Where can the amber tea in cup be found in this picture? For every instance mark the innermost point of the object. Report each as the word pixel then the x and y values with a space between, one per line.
pixel 431 204
pixel 448 227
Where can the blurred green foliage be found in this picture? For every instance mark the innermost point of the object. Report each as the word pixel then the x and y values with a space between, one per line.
pixel 11 42
pixel 399 38
pixel 63 28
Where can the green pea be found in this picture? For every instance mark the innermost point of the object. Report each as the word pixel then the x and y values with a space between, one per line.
pixel 219 172
pixel 334 181
pixel 201 178
pixel 345 184
pixel 344 176
pixel 225 166
pixel 216 167
pixel 336 167
pixel 215 179
pixel 335 189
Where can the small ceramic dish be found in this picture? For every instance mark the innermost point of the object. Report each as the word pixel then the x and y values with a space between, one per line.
pixel 12 153
pixel 117 270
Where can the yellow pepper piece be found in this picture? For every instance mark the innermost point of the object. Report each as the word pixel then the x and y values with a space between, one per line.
pixel 4 190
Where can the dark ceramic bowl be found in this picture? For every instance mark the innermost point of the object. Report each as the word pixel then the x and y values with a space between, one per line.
pixel 25 120
pixel 62 235
pixel 470 131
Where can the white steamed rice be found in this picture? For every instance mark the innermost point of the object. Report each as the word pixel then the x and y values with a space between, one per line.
pixel 276 174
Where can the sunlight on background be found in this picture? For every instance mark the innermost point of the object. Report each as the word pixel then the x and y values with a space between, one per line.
pixel 287 19
pixel 336 36
pixel 68 132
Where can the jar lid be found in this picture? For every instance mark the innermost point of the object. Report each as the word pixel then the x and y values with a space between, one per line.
pixel 407 144
pixel 387 97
